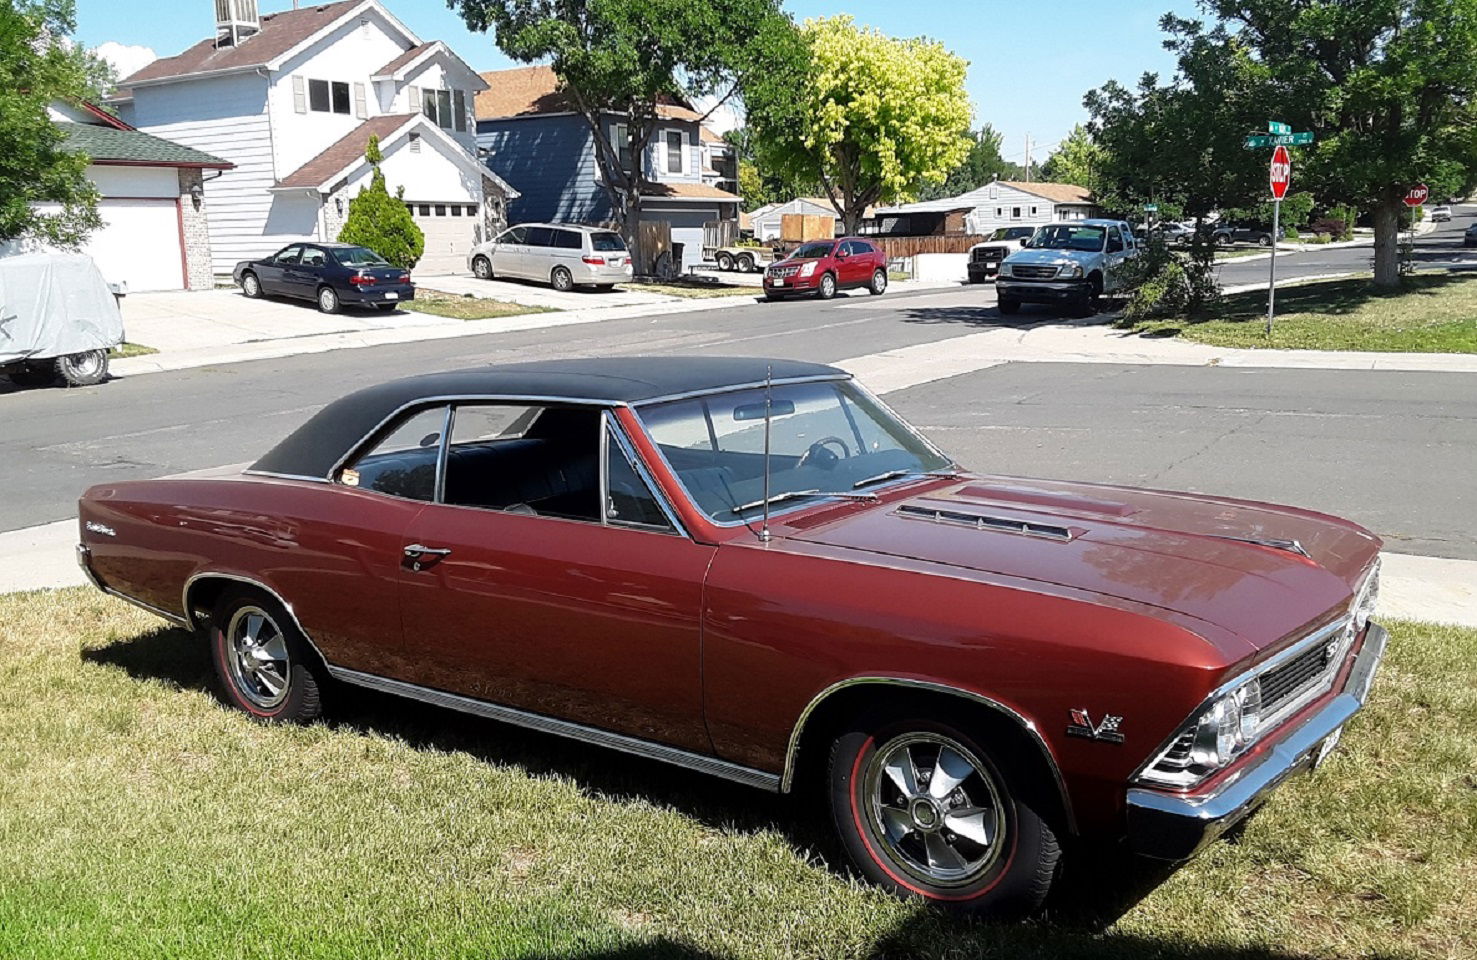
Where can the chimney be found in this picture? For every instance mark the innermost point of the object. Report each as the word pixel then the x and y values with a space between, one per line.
pixel 235 20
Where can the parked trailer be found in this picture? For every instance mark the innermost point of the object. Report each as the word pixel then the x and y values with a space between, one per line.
pixel 743 259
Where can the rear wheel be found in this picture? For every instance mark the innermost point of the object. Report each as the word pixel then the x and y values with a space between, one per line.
pixel 878 286
pixel 328 300
pixel 725 262
pixel 250 285
pixel 561 279
pixel 745 263
pixel 264 663
pixel 482 268
pixel 83 369
pixel 827 288
pixel 924 810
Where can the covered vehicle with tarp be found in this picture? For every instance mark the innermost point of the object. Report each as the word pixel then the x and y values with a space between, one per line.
pixel 58 319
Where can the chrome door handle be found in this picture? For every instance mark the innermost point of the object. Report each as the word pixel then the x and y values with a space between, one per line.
pixel 418 550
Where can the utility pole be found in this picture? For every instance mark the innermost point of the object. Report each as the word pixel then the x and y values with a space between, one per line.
pixel 1028 158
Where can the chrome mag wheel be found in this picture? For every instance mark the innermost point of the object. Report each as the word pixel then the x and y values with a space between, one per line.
pixel 936 808
pixel 257 657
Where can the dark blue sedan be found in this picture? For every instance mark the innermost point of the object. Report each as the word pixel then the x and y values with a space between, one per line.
pixel 332 274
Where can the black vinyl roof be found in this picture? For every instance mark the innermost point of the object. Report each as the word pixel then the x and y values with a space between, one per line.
pixel 313 449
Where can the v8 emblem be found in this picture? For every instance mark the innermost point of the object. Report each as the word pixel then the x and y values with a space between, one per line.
pixel 1106 730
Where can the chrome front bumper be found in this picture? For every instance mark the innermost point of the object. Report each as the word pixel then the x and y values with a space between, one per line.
pixel 1172 826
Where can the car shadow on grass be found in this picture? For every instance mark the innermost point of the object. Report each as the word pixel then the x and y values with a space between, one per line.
pixel 1095 888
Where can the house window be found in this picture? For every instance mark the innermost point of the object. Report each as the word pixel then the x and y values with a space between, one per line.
pixel 1015 213
pixel 459 110
pixel 999 212
pixel 425 210
pixel 443 109
pixel 1033 211
pixel 471 210
pixel 329 97
pixel 440 209
pixel 675 150
pixel 620 135
pixel 456 210
pixel 415 143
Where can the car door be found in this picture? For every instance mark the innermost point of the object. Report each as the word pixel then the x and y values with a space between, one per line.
pixel 508 252
pixel 273 272
pixel 850 266
pixel 302 278
pixel 1114 251
pixel 549 577
pixel 538 257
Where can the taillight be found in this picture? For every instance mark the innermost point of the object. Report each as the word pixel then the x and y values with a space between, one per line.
pixel 362 280
pixel 404 278
pixel 594 261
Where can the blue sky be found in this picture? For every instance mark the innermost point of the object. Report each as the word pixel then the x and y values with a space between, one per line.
pixel 1030 61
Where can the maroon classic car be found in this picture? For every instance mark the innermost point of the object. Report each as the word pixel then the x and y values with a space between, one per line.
pixel 755 569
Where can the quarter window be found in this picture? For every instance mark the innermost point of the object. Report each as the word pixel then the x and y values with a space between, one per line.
pixel 629 500
pixel 403 462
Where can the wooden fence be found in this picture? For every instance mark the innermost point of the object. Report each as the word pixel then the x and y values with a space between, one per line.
pixel 898 248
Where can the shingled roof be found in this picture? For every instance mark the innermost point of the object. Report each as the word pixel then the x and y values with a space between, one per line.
pixel 280 32
pixel 109 144
pixel 1055 192
pixel 345 151
pixel 529 91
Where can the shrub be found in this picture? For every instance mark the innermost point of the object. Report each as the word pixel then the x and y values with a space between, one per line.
pixel 1289 233
pixel 381 222
pixel 1166 284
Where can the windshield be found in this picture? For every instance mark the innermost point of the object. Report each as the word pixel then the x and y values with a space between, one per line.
pixel 1064 237
pixel 813 251
pixel 606 242
pixel 830 437
pixel 1007 233
pixel 359 257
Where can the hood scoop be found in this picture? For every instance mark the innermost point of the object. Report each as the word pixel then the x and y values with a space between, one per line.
pixel 983 521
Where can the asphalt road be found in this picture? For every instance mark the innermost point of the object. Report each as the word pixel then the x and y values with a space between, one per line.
pixel 1396 451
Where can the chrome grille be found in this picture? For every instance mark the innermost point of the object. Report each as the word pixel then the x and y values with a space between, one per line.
pixel 783 271
pixel 1032 271
pixel 987 254
pixel 1302 671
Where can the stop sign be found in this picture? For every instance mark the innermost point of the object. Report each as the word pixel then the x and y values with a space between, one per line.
pixel 1281 172
pixel 1417 195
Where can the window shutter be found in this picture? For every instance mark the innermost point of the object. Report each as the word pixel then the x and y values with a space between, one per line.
pixel 415 99
pixel 299 94
pixel 361 110
pixel 460 110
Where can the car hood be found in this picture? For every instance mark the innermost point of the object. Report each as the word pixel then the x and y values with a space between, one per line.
pixel 1048 257
pixel 1230 563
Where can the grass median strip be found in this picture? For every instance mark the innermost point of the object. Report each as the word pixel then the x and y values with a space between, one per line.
pixel 468 308
pixel 142 818
pixel 1431 313
pixel 694 291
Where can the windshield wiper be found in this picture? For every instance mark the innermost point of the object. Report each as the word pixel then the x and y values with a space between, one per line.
pixel 797 494
pixel 895 474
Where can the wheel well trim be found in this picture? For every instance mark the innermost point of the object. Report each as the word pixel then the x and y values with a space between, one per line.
pixel 193 624
pixel 1026 724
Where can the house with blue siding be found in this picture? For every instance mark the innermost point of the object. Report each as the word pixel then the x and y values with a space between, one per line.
pixel 545 150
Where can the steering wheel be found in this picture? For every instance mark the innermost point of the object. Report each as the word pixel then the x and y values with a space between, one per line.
pixel 821 454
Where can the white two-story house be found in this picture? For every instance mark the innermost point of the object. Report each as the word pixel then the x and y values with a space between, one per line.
pixel 292 99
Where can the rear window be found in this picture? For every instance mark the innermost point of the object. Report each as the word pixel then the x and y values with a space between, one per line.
pixel 606 241
pixel 359 257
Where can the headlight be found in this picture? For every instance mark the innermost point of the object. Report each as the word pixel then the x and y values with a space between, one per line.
pixel 1005 270
pixel 808 269
pixel 1070 270
pixel 1227 727
pixel 1368 598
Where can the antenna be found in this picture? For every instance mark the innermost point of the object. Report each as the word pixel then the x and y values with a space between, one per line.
pixel 768 411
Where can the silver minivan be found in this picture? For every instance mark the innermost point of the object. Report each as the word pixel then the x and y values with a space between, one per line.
pixel 560 254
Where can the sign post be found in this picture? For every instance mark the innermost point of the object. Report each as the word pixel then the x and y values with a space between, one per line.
pixel 1414 197
pixel 1279 176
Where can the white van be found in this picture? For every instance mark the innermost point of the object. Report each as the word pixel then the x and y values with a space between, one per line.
pixel 560 254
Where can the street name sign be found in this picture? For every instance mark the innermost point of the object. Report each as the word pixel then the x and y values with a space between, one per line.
pixel 1280 172
pixel 1151 208
pixel 1274 127
pixel 1280 140
pixel 1417 195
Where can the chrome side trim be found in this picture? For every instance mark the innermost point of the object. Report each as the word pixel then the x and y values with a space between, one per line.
pixel 734 387
pixel 189 617
pixel 285 476
pixel 562 728
pixel 84 560
pixel 1024 722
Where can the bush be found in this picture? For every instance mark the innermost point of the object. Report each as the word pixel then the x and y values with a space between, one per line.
pixel 1166 284
pixel 381 222
pixel 1289 233
pixel 1320 238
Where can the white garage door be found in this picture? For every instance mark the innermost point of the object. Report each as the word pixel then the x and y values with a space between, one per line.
pixel 451 232
pixel 139 244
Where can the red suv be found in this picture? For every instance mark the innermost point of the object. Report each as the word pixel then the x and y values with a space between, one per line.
pixel 822 267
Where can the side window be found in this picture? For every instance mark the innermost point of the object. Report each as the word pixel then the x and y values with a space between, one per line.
pixel 540 237
pixel 290 254
pixel 313 257
pixel 1115 240
pixel 515 235
pixel 532 460
pixel 568 240
pixel 629 500
pixel 402 463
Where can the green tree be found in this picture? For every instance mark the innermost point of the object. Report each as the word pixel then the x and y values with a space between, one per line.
pixel 759 185
pixel 37 66
pixel 872 117
pixel 1388 86
pixel 1075 160
pixel 621 60
pixel 982 164
pixel 381 222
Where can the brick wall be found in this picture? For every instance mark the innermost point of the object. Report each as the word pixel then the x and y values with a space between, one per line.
pixel 198 274
pixel 333 220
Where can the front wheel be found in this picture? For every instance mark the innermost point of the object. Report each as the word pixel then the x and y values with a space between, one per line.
pixel 250 285
pixel 83 369
pixel 878 286
pixel 827 288
pixel 924 810
pixel 1264 241
pixel 328 300
pixel 562 280
pixel 263 662
pixel 482 268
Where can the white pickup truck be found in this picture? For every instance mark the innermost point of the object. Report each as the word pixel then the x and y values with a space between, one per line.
pixel 985 257
pixel 1071 263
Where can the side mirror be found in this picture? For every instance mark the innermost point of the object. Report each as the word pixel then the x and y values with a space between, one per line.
pixel 842 255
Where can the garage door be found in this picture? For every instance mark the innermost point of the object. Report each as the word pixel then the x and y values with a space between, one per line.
pixel 451 232
pixel 139 244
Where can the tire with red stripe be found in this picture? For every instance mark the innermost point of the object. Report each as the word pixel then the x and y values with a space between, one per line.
pixel 925 810
pixel 264 663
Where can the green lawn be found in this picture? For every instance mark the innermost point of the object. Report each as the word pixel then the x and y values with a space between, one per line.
pixel 141 818
pixel 1432 313
pixel 467 308
pixel 127 349
pixel 695 291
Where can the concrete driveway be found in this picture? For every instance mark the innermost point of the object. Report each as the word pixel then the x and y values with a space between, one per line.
pixel 200 319
pixel 532 294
